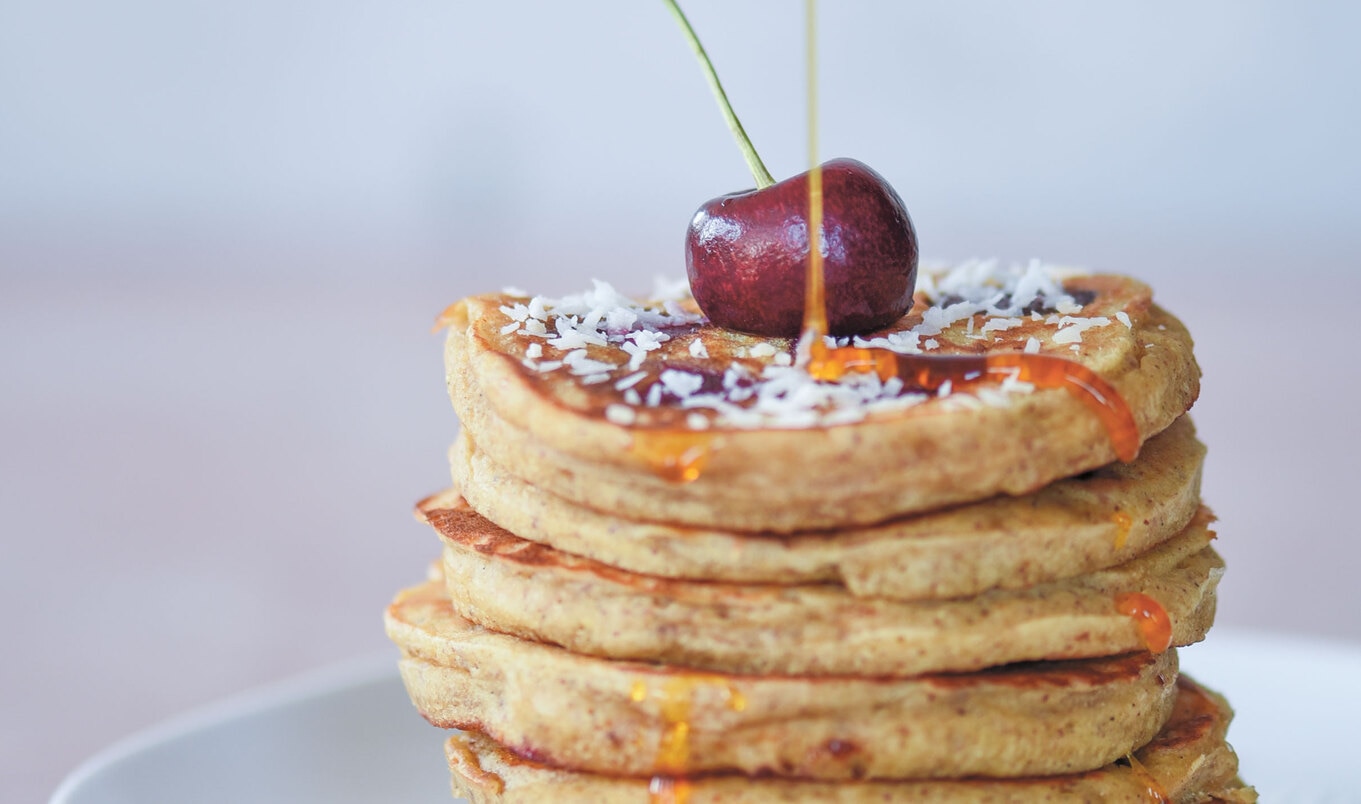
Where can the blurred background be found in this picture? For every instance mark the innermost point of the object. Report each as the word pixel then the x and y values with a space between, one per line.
pixel 225 229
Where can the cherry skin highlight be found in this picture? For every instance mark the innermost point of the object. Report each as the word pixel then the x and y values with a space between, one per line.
pixel 747 254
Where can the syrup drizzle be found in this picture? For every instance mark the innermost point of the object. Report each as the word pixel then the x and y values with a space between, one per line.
pixel 932 372
pixel 676 700
pixel 1154 625
pixel 675 456
pixel 1157 794
pixel 1123 523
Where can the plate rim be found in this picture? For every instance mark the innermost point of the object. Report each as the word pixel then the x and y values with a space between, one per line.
pixel 307 685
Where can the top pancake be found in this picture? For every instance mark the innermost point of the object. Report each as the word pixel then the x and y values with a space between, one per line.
pixel 598 399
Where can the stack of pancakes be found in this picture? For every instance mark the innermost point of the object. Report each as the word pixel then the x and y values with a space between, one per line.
pixel 677 568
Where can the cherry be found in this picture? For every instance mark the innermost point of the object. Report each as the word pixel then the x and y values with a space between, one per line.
pixel 747 254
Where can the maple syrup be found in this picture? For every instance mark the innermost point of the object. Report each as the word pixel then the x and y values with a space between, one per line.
pixel 677 456
pixel 1157 794
pixel 668 790
pixel 676 696
pixel 1154 625
pixel 1123 523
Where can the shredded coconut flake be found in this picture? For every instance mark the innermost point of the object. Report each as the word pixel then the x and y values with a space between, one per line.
pixel 1001 324
pixel 516 312
pixel 1071 329
pixel 681 383
pixel 581 365
pixel 905 342
pixel 630 381
pixel 620 319
pixel 620 414
pixel 665 289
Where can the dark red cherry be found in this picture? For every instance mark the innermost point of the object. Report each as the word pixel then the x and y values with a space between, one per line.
pixel 747 254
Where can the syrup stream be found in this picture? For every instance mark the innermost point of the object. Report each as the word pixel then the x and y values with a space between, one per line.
pixel 815 295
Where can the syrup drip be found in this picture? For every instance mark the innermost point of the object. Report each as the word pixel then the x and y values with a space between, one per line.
pixel 676 699
pixel 1157 794
pixel 677 457
pixel 1154 625
pixel 1123 523
pixel 668 790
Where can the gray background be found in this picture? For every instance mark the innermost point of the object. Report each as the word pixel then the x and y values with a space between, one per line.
pixel 226 227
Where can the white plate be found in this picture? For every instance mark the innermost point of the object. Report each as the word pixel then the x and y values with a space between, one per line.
pixel 349 734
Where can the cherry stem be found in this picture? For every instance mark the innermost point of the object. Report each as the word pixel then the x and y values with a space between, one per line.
pixel 754 163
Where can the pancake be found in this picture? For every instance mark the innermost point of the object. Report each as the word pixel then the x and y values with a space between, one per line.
pixel 772 450
pixel 680 563
pixel 509 584
pixel 1068 528
pixel 613 717
pixel 1188 762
